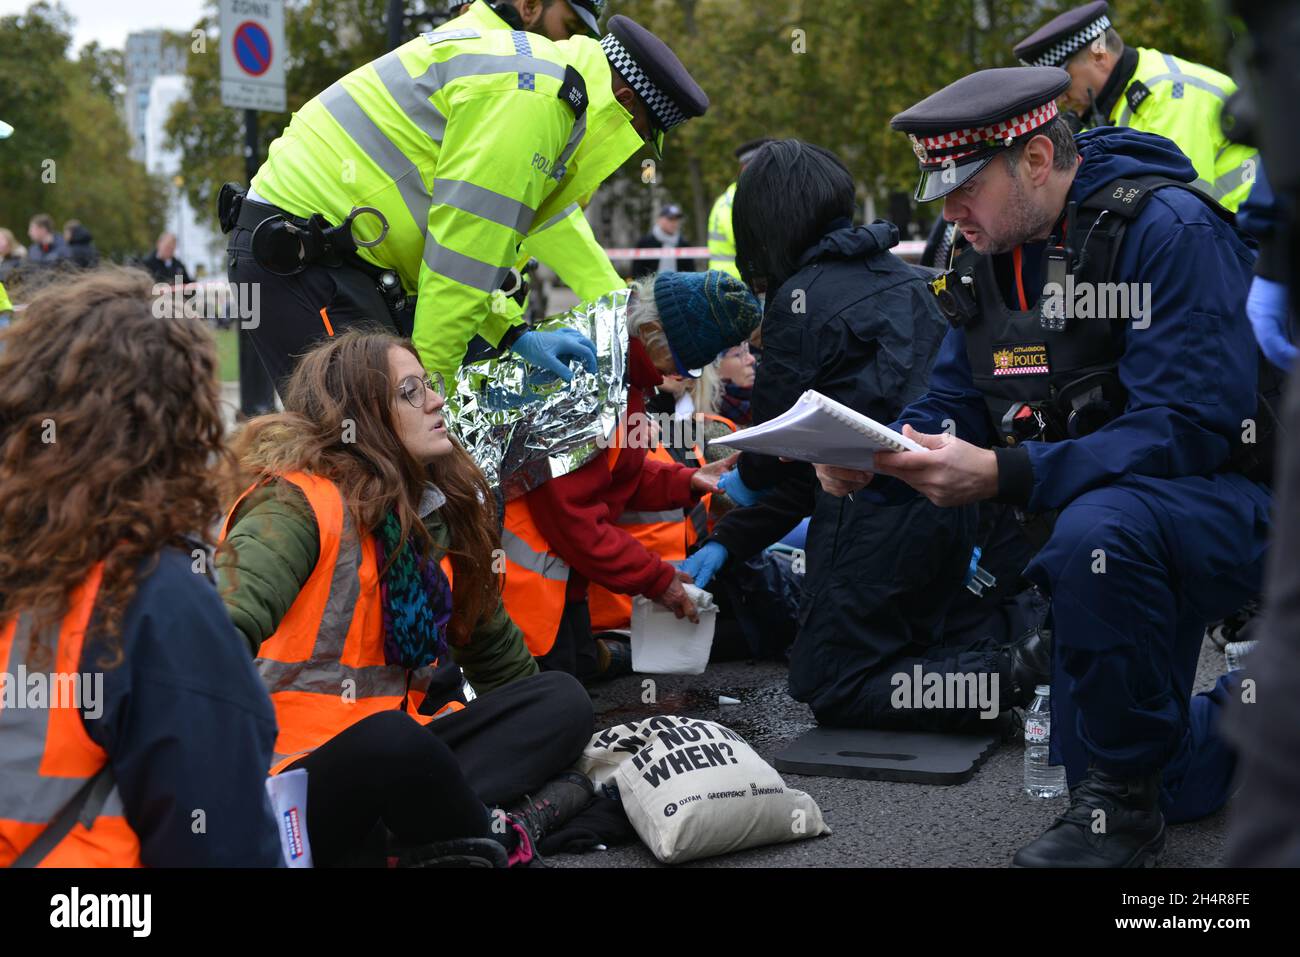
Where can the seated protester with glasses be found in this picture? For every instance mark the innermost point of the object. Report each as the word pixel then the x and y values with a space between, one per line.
pixel 140 703
pixel 359 566
pixel 568 530
pixel 848 318
pixel 736 369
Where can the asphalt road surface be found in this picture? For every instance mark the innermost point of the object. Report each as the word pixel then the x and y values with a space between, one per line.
pixel 980 823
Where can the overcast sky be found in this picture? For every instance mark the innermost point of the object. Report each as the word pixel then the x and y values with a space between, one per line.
pixel 109 21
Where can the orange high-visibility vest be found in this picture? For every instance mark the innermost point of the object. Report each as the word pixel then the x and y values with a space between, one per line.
pixel 46 756
pixel 324 665
pixel 701 522
pixel 537 581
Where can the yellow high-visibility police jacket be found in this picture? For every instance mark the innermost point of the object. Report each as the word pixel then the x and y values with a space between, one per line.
pixel 465 140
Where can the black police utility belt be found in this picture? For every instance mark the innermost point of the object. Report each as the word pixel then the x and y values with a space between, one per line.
pixel 1045 376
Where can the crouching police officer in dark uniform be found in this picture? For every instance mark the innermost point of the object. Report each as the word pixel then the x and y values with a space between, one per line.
pixel 1116 427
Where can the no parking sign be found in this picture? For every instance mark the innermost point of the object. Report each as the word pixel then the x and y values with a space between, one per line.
pixel 253 54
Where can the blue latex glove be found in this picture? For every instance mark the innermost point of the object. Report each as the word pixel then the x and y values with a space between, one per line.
pixel 738 491
pixel 1269 309
pixel 704 564
pixel 554 349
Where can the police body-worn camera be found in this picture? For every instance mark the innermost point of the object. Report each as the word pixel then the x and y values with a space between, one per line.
pixel 956 296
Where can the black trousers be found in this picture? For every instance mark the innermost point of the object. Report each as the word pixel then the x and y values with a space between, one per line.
pixel 574 651
pixel 433 782
pixel 298 311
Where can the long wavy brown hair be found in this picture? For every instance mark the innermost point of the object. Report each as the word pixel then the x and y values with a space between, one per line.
pixel 338 423
pixel 110 425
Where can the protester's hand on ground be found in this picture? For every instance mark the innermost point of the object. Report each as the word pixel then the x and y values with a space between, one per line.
pixel 704 564
pixel 675 599
pixel 951 472
pixel 706 479
pixel 839 481
pixel 554 349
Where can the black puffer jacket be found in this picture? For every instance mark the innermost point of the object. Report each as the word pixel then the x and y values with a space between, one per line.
pixel 858 324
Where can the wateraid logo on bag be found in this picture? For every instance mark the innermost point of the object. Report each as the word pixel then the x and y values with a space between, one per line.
pixel 693 788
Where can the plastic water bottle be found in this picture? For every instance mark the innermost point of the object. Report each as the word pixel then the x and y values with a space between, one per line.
pixel 1041 779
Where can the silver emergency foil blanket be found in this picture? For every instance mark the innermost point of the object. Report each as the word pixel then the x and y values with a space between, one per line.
pixel 523 425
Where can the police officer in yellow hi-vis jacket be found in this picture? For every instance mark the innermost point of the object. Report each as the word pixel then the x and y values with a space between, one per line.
pixel 402 193
pixel 565 242
pixel 1116 85
pixel 722 238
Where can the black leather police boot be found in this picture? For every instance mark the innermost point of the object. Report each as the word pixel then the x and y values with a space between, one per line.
pixel 1111 822
pixel 1031 664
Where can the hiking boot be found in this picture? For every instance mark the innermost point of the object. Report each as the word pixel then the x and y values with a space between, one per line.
pixel 1111 822
pixel 476 852
pixel 557 803
pixel 1031 664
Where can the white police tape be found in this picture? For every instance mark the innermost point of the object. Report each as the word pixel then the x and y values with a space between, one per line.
pixel 910 250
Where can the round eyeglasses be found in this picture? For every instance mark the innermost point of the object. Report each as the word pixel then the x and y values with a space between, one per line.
pixel 414 389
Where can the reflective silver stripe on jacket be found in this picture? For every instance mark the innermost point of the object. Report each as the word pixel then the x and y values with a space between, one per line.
pixel 26 795
pixel 562 215
pixel 483 203
pixel 324 671
pixel 1174 75
pixel 467 270
pixel 650 518
pixel 521 553
pixel 412 95
pixel 367 135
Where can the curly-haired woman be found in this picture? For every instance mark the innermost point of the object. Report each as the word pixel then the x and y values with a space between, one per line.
pixel 129 700
pixel 359 566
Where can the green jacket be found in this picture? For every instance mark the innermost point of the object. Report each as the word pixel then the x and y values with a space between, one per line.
pixel 5 304
pixel 274 544
pixel 461 139
pixel 722 236
pixel 1183 102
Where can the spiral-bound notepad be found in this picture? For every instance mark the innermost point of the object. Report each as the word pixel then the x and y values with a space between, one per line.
pixel 819 429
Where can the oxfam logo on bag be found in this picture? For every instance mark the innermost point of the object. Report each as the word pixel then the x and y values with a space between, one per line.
pixel 670 809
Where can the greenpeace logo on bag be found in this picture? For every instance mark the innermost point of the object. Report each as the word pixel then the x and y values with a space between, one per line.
pixel 692 788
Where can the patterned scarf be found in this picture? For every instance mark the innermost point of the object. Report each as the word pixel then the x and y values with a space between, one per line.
pixel 734 404
pixel 416 600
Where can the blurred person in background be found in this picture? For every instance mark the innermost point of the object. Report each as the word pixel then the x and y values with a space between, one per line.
pixel 47 247
pixel 665 234
pixel 12 253
pixel 81 245
pixel 163 263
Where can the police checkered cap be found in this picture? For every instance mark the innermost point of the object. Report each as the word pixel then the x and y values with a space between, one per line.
pixel 1065 48
pixel 665 113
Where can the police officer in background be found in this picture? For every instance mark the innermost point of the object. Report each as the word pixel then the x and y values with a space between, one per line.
pixel 722 237
pixel 419 175
pixel 1116 85
pixel 1121 433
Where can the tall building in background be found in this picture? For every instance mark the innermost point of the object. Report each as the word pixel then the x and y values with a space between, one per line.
pixel 149 54
pixel 197 241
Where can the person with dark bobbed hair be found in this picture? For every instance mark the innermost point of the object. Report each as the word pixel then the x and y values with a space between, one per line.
pixel 845 316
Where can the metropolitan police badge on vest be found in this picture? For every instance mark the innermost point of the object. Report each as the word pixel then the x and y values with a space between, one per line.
pixel 1022 358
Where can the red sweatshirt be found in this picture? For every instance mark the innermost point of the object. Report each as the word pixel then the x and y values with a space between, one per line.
pixel 578 512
